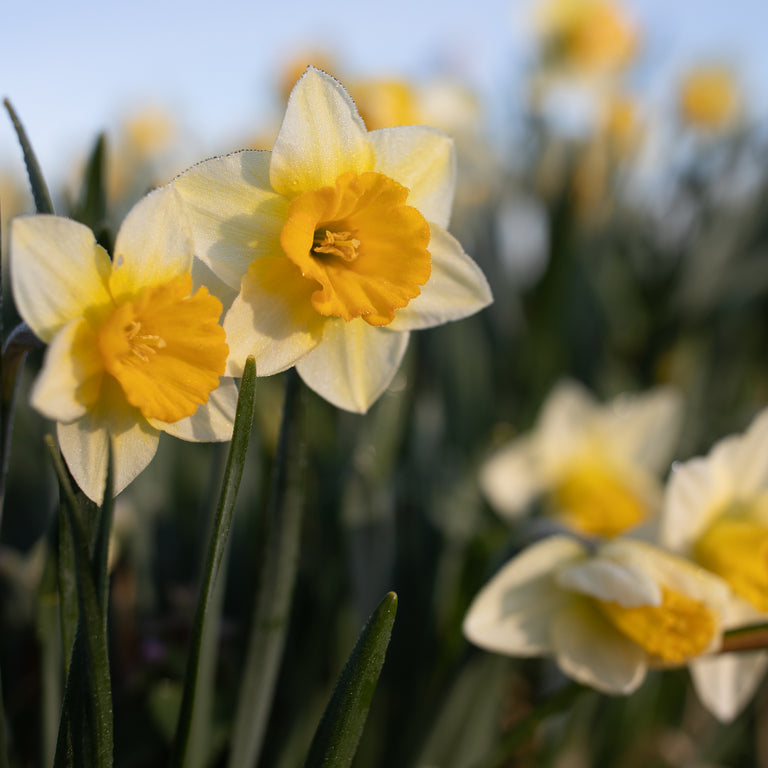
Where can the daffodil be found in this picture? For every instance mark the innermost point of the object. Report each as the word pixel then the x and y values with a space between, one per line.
pixel 132 351
pixel 606 617
pixel 596 467
pixel 709 98
pixel 337 243
pixel 716 513
pixel 587 36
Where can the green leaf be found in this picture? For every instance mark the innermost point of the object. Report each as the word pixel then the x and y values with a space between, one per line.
pixel 277 575
pixel 40 192
pixel 187 750
pixel 341 726
pixel 86 734
pixel 91 208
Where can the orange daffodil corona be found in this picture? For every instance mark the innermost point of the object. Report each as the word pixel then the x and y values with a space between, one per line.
pixel 336 241
pixel 132 350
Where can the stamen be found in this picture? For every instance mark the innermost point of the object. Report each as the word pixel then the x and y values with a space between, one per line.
pixel 143 345
pixel 340 244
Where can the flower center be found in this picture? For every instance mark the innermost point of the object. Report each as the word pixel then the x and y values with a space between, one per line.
pixel 675 631
pixel 593 500
pixel 165 348
pixel 736 548
pixel 362 244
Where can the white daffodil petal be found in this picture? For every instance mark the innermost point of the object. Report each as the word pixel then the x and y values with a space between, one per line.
pixel 563 421
pixel 456 287
pixel 277 329
pixel 322 136
pixel 667 569
pixel 153 245
pixel 353 364
pixel 589 650
pixel 509 479
pixel 688 504
pixel 58 272
pixel 645 428
pixel 513 613
pixel 611 581
pixel 750 471
pixel 424 160
pixel 84 447
pixel 726 683
pixel 55 392
pixel 211 422
pixel 234 213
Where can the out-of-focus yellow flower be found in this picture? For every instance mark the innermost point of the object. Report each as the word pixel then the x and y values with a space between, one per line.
pixel 131 350
pixel 337 241
pixel 592 37
pixel 709 98
pixel 137 153
pixel 596 467
pixel 716 513
pixel 605 617
pixel 621 127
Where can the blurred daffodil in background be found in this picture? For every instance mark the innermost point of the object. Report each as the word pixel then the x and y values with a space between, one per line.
pixel 606 617
pixel 595 468
pixel 337 242
pixel 716 513
pixel 132 350
pixel 709 98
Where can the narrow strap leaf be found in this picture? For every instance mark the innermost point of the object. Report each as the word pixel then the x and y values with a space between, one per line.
pixel 90 646
pixel 207 610
pixel 277 574
pixel 341 725
pixel 40 192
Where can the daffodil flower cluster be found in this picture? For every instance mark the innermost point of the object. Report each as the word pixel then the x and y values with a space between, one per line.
pixel 647 576
pixel 335 241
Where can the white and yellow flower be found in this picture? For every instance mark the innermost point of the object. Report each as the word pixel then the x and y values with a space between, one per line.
pixel 596 467
pixel 605 617
pixel 337 242
pixel 132 352
pixel 716 513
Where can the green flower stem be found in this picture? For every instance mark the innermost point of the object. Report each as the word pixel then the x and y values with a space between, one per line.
pixel 523 730
pixel 191 702
pixel 341 726
pixel 751 638
pixel 277 575
pixel 89 685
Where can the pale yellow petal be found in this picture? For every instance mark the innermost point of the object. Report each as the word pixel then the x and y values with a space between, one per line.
pixel 84 447
pixel 589 650
pixel 61 390
pixel 58 272
pixel 153 245
pixel 321 137
pixel 272 318
pixel 456 287
pixel 726 683
pixel 513 613
pixel 212 422
pixel 234 213
pixel 423 160
pixel 353 364
pixel 510 479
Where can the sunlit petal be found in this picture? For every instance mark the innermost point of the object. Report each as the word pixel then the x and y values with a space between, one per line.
pixel 58 272
pixel 234 213
pixel 153 246
pixel 354 363
pixel 423 160
pixel 456 287
pixel 322 136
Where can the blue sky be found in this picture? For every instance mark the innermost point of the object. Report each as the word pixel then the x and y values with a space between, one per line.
pixel 72 69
